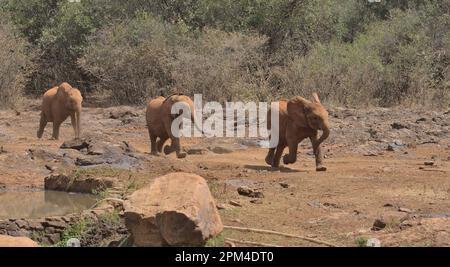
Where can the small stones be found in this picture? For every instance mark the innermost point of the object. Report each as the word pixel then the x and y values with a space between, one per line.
pixel 237 221
pixel 35 225
pixel 248 192
pixel 397 144
pixel 284 184
pixel 12 228
pixel 50 230
pixel 370 153
pixel 22 224
pixel 428 163
pixel 50 168
pixel 393 219
pixel 54 224
pixel 122 114
pixel 221 150
pixel 405 210
pixel 235 203
pixel 54 238
pixel 222 206
pixel 378 225
pixel 398 126
pixel 331 205
pixel 77 144
pixel 41 154
pixel 257 201
pixel 314 204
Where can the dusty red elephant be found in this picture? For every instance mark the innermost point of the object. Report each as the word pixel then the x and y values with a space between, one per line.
pixel 299 119
pixel 58 104
pixel 159 123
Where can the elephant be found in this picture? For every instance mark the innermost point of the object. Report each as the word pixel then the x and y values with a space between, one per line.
pixel 299 118
pixel 159 122
pixel 58 104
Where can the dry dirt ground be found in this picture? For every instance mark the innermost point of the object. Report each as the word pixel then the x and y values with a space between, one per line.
pixel 376 170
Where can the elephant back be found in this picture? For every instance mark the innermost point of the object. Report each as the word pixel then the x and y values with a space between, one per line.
pixel 64 89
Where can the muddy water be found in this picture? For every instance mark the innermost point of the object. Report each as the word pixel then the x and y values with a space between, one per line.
pixel 40 204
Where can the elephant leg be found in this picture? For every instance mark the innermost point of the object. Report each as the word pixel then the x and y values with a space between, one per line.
pixel 175 147
pixel 318 154
pixel 291 158
pixel 277 157
pixel 153 139
pixel 160 144
pixel 269 157
pixel 74 125
pixel 42 125
pixel 56 126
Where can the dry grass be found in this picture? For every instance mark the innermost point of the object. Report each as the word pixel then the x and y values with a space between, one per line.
pixel 14 67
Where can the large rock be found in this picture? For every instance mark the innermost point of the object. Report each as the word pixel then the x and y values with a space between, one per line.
pixel 9 241
pixel 77 144
pixel 174 210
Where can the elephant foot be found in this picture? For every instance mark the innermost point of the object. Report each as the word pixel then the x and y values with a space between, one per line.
pixel 168 150
pixel 269 161
pixel 287 160
pixel 54 139
pixel 181 155
pixel 154 153
pixel 321 168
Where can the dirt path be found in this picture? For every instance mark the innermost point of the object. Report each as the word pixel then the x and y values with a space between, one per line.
pixel 364 180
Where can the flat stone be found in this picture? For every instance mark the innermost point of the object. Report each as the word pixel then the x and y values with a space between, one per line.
pixel 35 225
pixel 55 224
pixel 10 241
pixel 54 238
pixel 248 192
pixel 235 203
pixel 22 224
pixel 76 144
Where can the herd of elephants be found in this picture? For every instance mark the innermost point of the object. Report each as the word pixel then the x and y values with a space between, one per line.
pixel 299 119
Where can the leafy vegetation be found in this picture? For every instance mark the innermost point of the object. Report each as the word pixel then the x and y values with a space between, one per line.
pixel 218 241
pixel 353 52
pixel 76 230
pixel 361 241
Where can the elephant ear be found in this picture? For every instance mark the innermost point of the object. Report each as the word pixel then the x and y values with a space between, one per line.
pixel 316 98
pixel 297 109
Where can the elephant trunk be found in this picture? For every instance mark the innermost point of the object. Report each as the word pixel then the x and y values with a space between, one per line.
pixel 194 121
pixel 325 134
pixel 77 124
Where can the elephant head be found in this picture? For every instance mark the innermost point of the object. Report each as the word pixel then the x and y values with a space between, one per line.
pixel 180 98
pixel 72 100
pixel 309 114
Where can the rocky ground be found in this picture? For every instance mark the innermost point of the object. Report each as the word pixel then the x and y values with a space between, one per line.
pixel 388 173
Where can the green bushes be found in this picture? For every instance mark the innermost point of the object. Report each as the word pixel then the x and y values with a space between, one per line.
pixel 352 51
pixel 394 62
pixel 144 57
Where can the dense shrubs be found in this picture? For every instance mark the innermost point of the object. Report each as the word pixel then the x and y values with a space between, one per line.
pixel 353 52
pixel 395 61
pixel 14 67
pixel 146 57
